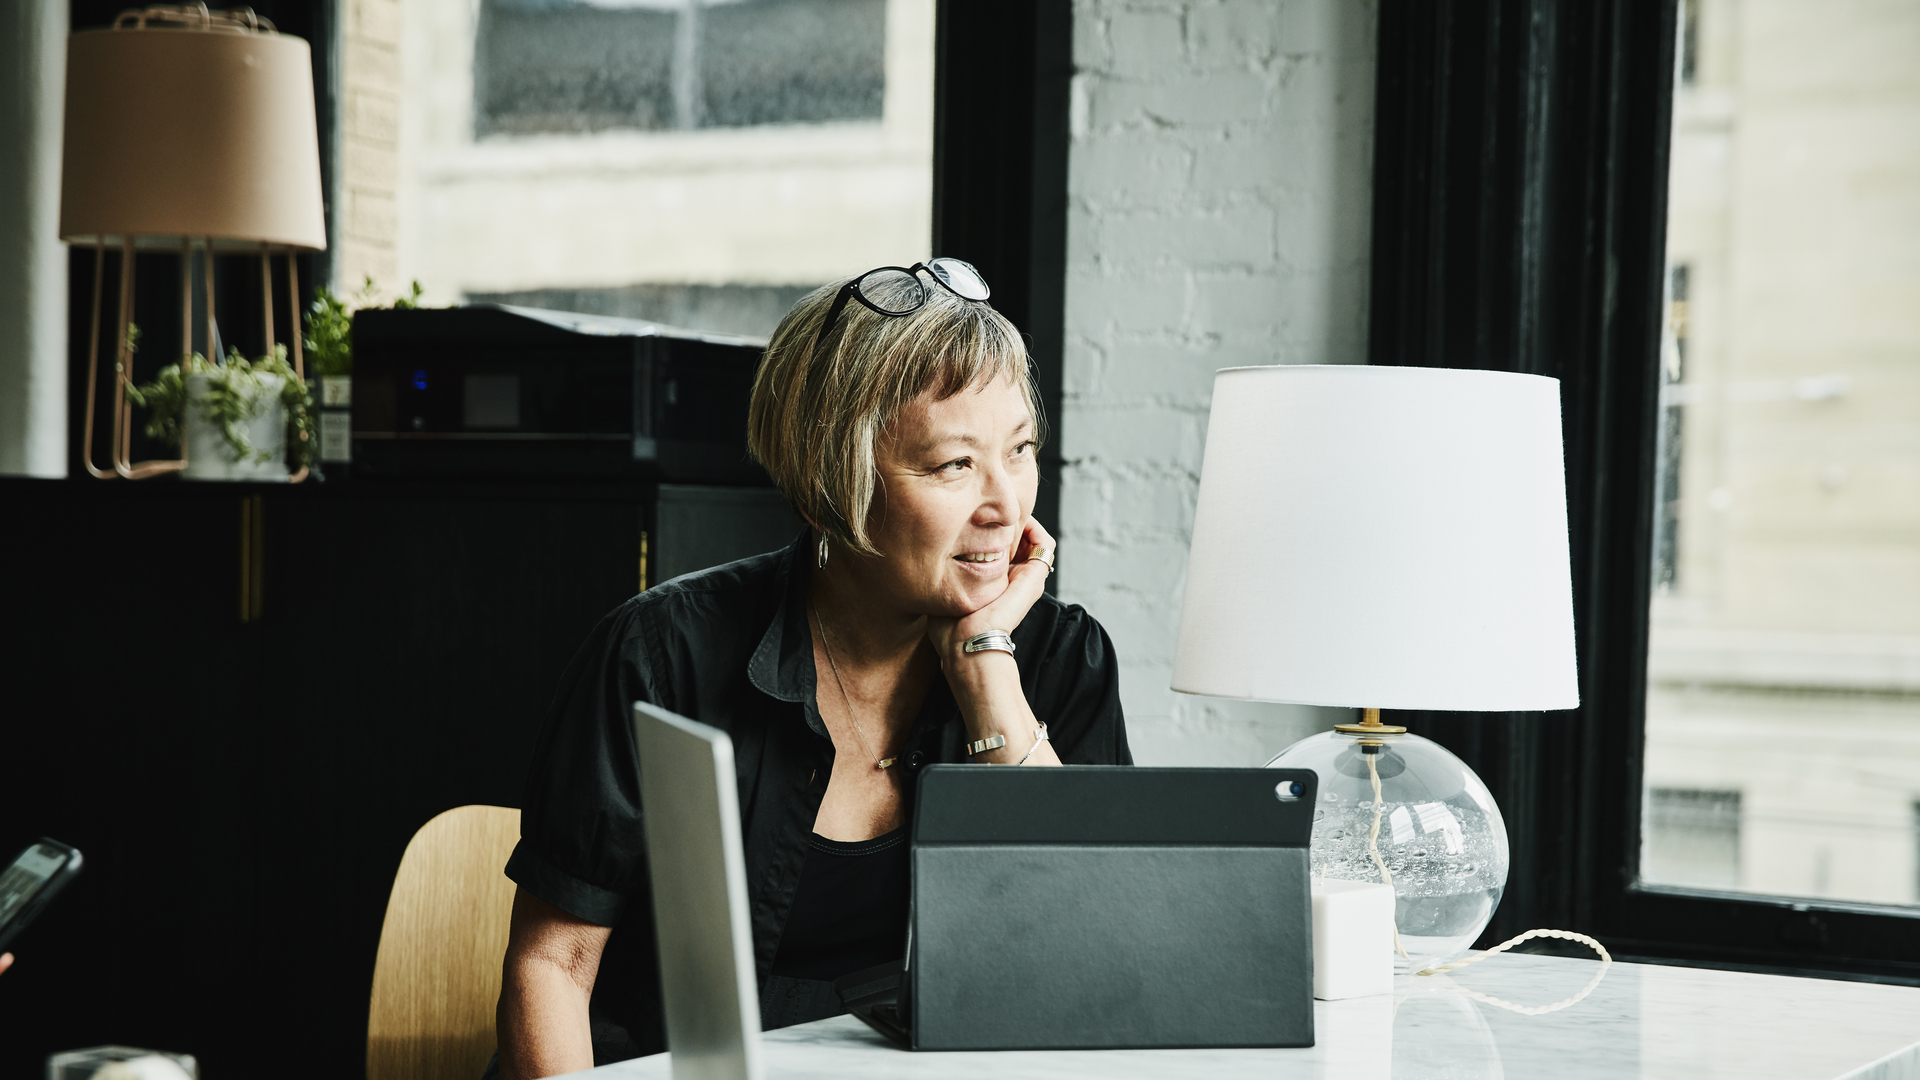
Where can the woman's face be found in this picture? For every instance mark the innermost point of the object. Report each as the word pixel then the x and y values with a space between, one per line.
pixel 958 479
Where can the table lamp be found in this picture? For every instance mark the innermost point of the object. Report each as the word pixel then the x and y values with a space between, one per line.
pixel 1383 537
pixel 186 128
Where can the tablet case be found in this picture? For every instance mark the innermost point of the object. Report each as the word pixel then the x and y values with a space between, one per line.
pixel 1098 907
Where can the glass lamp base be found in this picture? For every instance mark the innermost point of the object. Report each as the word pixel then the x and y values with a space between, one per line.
pixel 1401 809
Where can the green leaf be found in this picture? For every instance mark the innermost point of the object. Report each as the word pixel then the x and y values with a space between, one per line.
pixel 236 393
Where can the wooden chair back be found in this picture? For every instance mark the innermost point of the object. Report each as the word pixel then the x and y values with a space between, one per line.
pixel 437 978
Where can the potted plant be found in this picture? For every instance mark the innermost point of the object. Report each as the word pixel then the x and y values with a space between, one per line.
pixel 329 344
pixel 238 418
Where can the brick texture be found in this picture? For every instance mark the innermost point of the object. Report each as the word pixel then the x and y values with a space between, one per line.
pixel 1219 196
pixel 366 217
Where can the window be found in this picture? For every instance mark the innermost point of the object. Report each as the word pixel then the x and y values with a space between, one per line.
pixel 1670 437
pixel 1689 42
pixel 701 163
pixel 1692 837
pixel 575 67
pixel 648 65
pixel 1708 237
pixel 1784 653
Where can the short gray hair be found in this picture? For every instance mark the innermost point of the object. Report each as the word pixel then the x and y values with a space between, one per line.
pixel 818 413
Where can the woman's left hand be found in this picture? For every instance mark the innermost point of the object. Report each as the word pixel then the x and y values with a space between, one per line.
pixel 1026 580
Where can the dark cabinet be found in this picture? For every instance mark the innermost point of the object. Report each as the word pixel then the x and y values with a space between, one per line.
pixel 240 702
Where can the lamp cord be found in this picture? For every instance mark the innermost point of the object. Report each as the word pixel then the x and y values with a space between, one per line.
pixel 1386 876
pixel 1606 961
pixel 1373 845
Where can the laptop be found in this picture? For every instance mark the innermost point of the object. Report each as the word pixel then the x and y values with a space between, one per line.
pixel 699 873
pixel 1087 907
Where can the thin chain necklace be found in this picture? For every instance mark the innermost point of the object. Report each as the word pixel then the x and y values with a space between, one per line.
pixel 833 666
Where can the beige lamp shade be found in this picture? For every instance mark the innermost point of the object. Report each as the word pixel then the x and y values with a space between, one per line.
pixel 1381 537
pixel 190 132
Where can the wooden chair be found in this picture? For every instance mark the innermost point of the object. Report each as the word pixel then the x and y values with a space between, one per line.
pixel 437 978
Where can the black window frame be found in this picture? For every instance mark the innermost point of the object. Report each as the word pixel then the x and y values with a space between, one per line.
pixel 1002 76
pixel 1520 172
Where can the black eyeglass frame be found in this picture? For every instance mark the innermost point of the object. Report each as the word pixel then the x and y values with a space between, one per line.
pixel 851 291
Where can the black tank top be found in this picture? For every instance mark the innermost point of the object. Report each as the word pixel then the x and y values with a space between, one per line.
pixel 850 909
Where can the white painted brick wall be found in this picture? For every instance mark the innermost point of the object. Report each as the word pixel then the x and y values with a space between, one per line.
pixel 1220 191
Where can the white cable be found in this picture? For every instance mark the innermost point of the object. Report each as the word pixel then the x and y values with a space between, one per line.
pixel 1386 876
pixel 1606 961
pixel 1373 845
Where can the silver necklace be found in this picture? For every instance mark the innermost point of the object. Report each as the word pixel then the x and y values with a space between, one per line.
pixel 827 647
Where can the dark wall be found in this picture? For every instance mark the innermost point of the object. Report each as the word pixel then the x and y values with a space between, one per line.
pixel 243 791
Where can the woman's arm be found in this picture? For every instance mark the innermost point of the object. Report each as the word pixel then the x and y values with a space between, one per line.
pixel 552 959
pixel 986 685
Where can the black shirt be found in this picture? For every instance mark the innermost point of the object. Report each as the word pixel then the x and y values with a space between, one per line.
pixel 730 647
pixel 850 911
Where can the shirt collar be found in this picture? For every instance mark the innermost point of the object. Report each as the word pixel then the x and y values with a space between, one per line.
pixel 782 664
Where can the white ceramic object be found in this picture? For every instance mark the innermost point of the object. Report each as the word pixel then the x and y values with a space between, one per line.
pixel 1352 939
pixel 120 1063
pixel 150 1067
pixel 208 455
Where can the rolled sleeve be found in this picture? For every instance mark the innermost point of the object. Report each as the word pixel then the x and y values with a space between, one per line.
pixel 582 838
pixel 582 900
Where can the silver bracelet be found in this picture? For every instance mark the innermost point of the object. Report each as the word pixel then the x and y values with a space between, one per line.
pixel 989 640
pixel 991 742
pixel 1040 736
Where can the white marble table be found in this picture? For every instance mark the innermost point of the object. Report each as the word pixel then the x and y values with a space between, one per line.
pixel 1639 1021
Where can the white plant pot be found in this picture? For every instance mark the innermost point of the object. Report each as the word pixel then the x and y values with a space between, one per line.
pixel 208 455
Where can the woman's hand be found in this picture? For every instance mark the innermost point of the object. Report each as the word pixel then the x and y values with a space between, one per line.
pixel 986 685
pixel 1026 580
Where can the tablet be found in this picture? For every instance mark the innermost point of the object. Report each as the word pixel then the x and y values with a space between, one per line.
pixel 1109 907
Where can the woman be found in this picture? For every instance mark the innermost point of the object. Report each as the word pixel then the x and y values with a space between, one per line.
pixel 896 412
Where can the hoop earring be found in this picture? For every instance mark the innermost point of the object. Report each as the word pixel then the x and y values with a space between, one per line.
pixel 820 553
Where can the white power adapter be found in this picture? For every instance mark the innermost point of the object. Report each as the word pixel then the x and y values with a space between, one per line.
pixel 1352 939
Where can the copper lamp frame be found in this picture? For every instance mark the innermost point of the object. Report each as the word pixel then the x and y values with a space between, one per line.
pixel 122 446
pixel 238 176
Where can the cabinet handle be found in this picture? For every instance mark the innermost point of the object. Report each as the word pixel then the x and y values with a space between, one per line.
pixel 253 558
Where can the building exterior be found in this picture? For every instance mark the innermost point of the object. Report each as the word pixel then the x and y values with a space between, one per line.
pixel 699 162
pixel 1783 714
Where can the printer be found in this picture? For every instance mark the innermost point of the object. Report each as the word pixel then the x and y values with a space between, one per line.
pixel 493 395
pixel 500 393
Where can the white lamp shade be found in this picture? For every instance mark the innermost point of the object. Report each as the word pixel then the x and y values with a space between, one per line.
pixel 173 133
pixel 1381 537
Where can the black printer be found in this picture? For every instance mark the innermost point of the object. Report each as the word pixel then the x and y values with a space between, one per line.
pixel 492 392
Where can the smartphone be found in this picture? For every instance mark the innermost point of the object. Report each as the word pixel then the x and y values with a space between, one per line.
pixel 31 883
